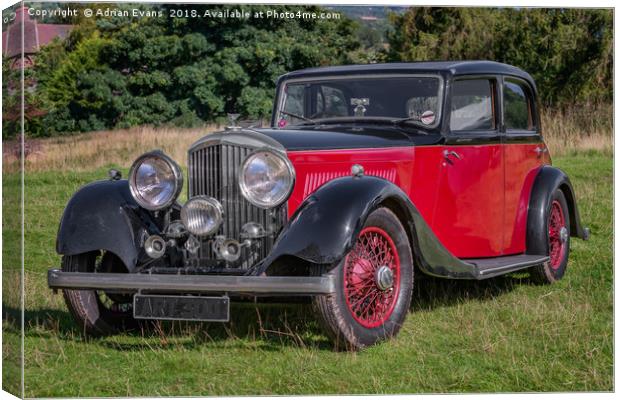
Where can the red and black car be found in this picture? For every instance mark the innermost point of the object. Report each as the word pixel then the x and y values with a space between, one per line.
pixel 369 175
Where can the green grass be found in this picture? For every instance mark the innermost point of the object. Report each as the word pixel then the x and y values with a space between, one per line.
pixel 504 334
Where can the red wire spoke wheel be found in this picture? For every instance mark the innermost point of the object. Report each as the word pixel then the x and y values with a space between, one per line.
pixel 558 241
pixel 558 234
pixel 374 284
pixel 372 277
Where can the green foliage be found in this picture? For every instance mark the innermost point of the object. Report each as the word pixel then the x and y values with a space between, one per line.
pixel 16 101
pixel 184 71
pixel 567 51
pixel 119 72
pixel 62 88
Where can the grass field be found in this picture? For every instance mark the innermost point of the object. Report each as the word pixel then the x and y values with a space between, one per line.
pixel 504 334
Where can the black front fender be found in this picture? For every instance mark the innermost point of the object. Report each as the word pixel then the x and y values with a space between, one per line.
pixel 324 228
pixel 548 180
pixel 104 216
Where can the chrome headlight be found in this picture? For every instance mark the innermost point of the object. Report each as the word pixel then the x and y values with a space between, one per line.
pixel 155 180
pixel 266 178
pixel 202 215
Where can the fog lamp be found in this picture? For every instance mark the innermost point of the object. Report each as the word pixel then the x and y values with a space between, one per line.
pixel 202 215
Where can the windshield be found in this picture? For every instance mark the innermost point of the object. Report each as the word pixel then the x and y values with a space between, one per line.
pixel 414 98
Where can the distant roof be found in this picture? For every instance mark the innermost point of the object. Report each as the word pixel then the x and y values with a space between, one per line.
pixel 451 67
pixel 35 34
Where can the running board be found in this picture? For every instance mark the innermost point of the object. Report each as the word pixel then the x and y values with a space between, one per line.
pixel 491 267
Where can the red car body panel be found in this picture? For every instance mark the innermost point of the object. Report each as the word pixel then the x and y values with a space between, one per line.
pixel 316 167
pixel 523 165
pixel 468 216
pixel 474 207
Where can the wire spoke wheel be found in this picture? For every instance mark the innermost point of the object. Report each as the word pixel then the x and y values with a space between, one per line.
pixel 372 277
pixel 557 235
pixel 98 312
pixel 114 303
pixel 554 241
pixel 374 284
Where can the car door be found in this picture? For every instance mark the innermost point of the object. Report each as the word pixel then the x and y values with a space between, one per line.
pixel 524 153
pixel 469 211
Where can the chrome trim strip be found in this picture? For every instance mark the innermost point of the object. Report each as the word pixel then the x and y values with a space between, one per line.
pixel 307 285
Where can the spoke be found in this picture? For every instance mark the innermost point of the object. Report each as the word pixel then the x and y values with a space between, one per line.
pixel 361 299
pixel 370 304
pixel 364 285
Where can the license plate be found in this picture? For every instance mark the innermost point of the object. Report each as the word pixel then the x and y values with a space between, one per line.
pixel 185 308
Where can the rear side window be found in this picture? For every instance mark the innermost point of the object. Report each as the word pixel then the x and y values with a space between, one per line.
pixel 518 113
pixel 472 105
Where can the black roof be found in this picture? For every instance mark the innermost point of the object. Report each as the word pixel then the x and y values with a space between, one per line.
pixel 455 68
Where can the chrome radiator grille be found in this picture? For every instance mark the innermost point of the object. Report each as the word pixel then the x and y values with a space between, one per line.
pixel 213 171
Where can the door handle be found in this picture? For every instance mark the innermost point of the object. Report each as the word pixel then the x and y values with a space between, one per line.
pixel 451 153
pixel 540 150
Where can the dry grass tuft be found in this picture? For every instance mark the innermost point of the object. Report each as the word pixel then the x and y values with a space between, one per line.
pixel 566 131
pixel 88 151
pixel 576 129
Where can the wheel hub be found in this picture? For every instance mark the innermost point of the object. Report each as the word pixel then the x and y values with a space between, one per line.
pixel 384 277
pixel 361 271
pixel 563 234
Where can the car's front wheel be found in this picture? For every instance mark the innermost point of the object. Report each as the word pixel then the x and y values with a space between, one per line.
pixel 98 312
pixel 374 284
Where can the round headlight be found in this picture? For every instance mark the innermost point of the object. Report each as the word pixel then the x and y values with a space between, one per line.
pixel 155 180
pixel 266 179
pixel 202 215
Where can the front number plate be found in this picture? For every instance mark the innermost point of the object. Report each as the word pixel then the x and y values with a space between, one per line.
pixel 185 308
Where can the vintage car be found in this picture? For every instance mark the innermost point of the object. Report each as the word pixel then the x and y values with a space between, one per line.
pixel 368 175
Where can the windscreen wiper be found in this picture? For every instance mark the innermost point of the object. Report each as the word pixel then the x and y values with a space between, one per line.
pixel 298 116
pixel 427 118
pixel 403 121
pixel 400 121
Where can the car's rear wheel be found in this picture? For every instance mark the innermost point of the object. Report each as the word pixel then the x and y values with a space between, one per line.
pixel 98 312
pixel 374 286
pixel 558 232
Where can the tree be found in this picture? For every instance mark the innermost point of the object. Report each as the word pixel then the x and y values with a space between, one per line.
pixel 186 70
pixel 568 51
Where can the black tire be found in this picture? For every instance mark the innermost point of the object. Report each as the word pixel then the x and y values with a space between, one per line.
pixel 96 312
pixel 334 313
pixel 554 270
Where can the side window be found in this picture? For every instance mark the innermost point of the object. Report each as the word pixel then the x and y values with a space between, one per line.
pixel 472 105
pixel 517 106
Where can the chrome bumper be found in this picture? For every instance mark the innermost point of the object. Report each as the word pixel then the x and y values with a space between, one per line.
pixel 274 285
